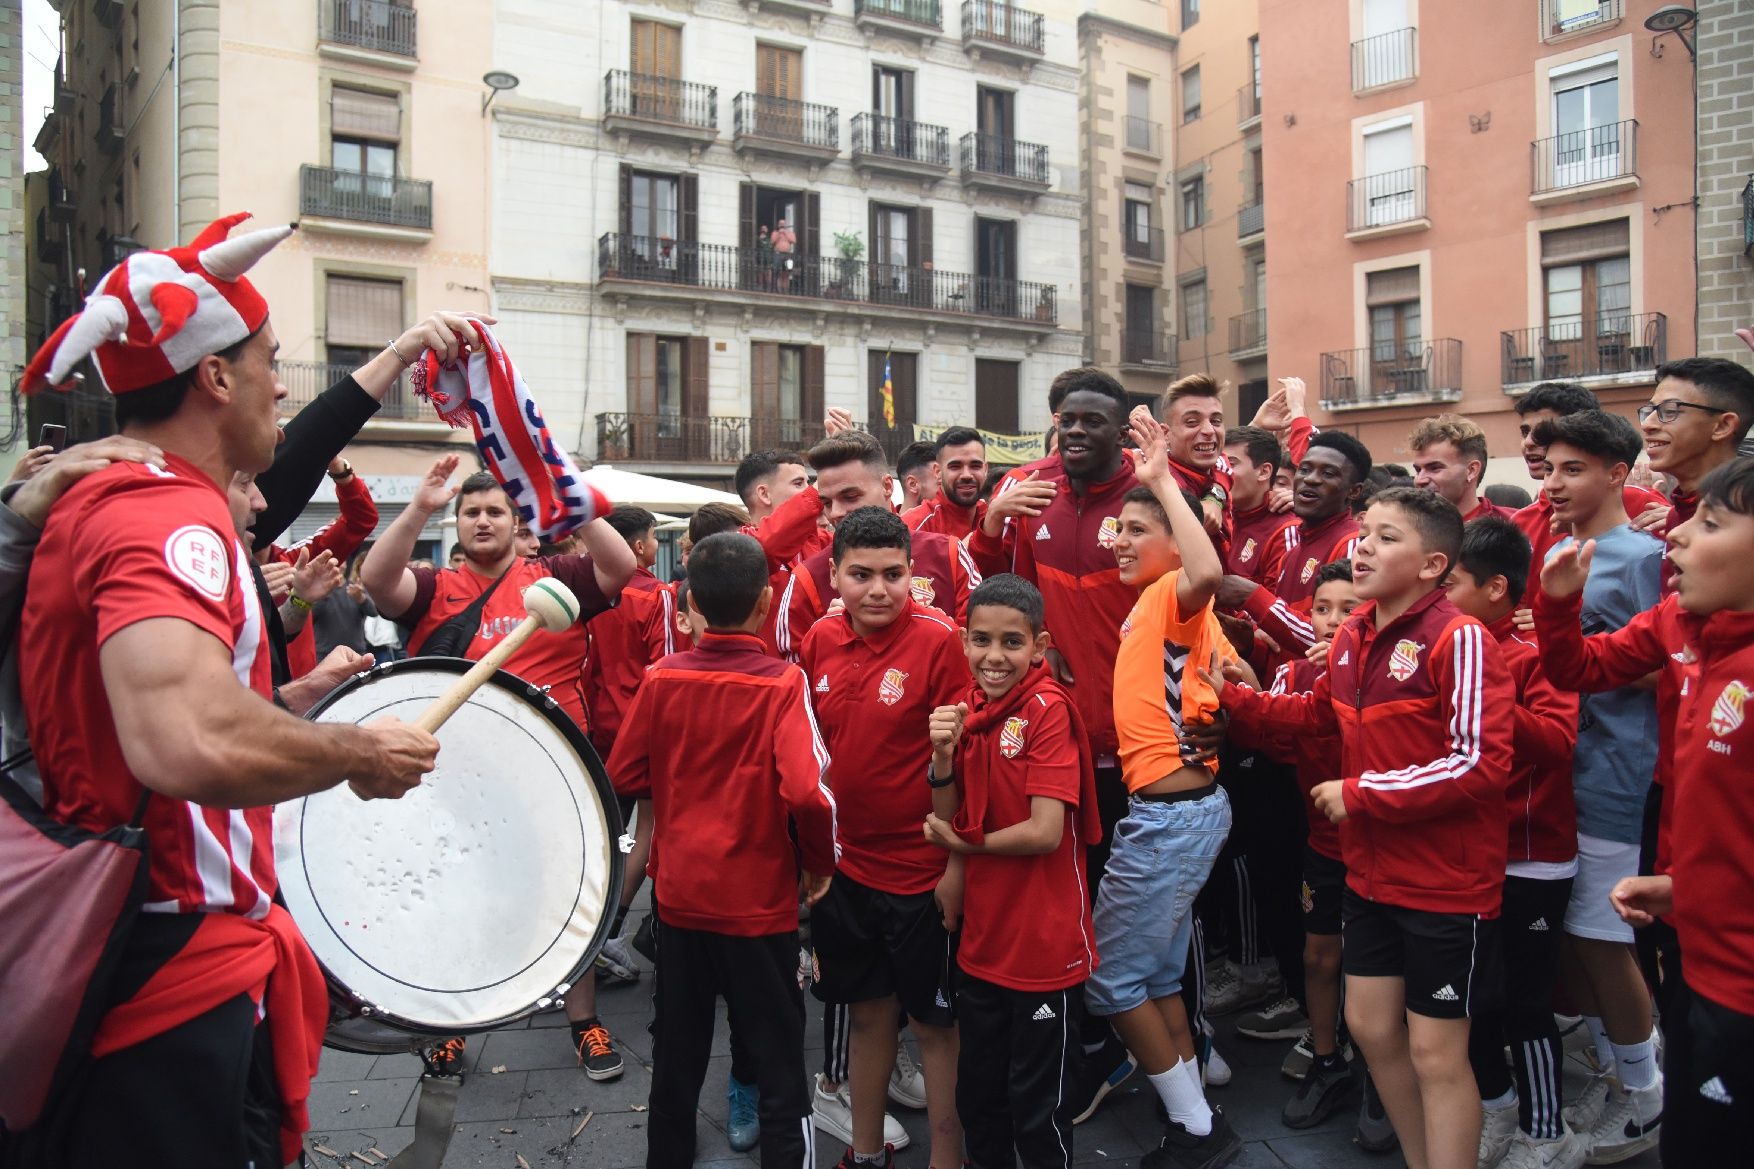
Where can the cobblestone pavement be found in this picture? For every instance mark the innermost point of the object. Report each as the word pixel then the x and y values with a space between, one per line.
pixel 530 1109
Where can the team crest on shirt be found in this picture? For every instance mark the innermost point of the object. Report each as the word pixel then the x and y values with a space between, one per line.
pixel 1309 569
pixel 1011 737
pixel 1248 550
pixel 1404 661
pixel 1726 712
pixel 922 589
pixel 893 687
pixel 1109 532
pixel 201 558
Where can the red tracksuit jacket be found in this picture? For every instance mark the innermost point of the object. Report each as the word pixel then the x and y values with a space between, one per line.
pixel 357 520
pixel 1423 708
pixel 1317 759
pixel 721 739
pixel 1282 610
pixel 789 534
pixel 1068 553
pixel 944 575
pixel 1713 807
pixel 620 644
pixel 1543 812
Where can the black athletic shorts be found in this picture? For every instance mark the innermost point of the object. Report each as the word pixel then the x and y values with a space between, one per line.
pixel 1450 961
pixel 869 944
pixel 1324 885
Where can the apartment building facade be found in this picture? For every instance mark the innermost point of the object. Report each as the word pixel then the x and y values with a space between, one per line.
pixel 1518 206
pixel 360 121
pixel 713 220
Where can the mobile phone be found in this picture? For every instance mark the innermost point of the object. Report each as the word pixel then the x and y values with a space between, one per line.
pixel 53 435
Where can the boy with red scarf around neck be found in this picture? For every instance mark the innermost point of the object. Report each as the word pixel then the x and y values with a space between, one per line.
pixel 1014 803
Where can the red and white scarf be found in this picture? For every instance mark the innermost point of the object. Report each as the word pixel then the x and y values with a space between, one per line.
pixel 491 397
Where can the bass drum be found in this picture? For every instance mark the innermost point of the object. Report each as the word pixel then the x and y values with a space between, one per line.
pixel 478 898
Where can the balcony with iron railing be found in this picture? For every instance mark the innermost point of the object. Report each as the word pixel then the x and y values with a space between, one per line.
pixel 1143 243
pixel 304 380
pixel 1150 348
pixel 1248 334
pixel 823 281
pixel 916 18
pixel 662 106
pixel 350 197
pixel 1562 20
pixel 1390 58
pixel 991 26
pixel 1584 162
pixel 376 26
pixel 1248 105
pixel 1621 348
pixel 1141 136
pixel 897 146
pixel 1386 204
pixel 779 125
pixel 1412 371
pixel 990 160
pixel 678 438
pixel 813 10
pixel 1251 218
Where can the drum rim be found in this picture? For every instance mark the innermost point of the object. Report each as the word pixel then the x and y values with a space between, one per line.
pixel 595 769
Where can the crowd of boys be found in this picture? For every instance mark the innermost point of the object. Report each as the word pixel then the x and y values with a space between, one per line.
pixel 1012 752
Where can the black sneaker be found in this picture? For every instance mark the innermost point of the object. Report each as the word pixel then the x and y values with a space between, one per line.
pixel 1181 1149
pixel 1103 1072
pixel 643 940
pixel 444 1058
pixel 1374 1134
pixel 1318 1094
pixel 847 1162
pixel 596 1050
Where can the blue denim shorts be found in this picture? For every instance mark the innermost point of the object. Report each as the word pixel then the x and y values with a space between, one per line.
pixel 1161 857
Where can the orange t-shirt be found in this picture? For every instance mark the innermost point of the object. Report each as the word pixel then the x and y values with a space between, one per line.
pixel 1157 687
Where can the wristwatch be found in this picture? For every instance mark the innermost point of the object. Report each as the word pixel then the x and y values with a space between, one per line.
pixel 346 470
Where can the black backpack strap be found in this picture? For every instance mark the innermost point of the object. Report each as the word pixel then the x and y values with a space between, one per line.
pixel 451 640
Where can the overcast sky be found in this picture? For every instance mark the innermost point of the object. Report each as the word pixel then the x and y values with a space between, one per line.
pixel 41 47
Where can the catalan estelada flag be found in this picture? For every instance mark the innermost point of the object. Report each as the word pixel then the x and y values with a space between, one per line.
pixel 888 392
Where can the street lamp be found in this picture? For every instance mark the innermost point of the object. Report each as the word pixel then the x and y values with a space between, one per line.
pixel 1675 18
pixel 496 80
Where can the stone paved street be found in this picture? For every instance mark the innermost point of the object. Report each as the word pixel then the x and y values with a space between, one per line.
pixel 531 1108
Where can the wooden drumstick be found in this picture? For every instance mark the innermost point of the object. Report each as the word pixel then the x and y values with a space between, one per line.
pixel 550 605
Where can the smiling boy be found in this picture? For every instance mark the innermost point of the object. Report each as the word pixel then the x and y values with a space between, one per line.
pixel 1697 416
pixel 1421 809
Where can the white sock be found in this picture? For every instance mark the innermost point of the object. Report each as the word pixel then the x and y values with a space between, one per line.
pixel 1604 1048
pixel 1636 1064
pixel 1508 1100
pixel 1183 1097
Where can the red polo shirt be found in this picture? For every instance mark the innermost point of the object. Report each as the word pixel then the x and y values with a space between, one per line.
pixel 873 697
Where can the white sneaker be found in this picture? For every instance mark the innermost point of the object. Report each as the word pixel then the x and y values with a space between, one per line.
pixel 1619 1135
pixel 616 959
pixel 1527 1153
pixel 832 1112
pixel 1497 1126
pixel 1217 1070
pixel 1582 1114
pixel 907 1083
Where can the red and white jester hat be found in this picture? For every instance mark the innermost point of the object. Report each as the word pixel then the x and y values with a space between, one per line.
pixel 157 313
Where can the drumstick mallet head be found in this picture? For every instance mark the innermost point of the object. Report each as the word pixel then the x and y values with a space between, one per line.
pixel 551 603
pixel 548 606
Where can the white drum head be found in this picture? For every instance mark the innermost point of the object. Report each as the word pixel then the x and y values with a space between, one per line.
pixel 477 895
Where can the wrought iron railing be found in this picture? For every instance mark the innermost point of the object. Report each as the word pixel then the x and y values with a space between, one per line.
pixel 899 139
pixel 1248 103
pixel 997 23
pixel 1580 157
pixel 368 24
pixel 1385 59
pixel 991 154
pixel 735 269
pixel 1147 347
pixel 304 380
pixel 347 194
pixel 1143 243
pixel 781 119
pixel 660 99
pixel 927 13
pixel 1141 134
pixel 1411 370
pixel 1248 331
pixel 1251 219
pixel 1610 344
pixel 1395 196
pixel 678 438
pixel 1559 19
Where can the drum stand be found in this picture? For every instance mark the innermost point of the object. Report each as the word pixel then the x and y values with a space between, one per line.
pixel 434 1121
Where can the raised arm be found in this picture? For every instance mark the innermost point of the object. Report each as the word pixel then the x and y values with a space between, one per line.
pixel 385 573
pixel 610 557
pixel 1202 571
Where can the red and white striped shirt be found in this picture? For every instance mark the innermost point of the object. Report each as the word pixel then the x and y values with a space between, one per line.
pixel 130 544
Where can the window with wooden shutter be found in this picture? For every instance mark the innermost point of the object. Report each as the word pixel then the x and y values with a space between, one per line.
pixel 362 113
pixel 815 361
pixel 764 381
pixel 697 374
pixel 361 313
pixel 642 373
pixel 995 396
pixel 1592 241
pixel 657 49
pixel 779 72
